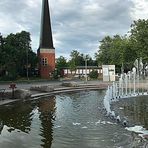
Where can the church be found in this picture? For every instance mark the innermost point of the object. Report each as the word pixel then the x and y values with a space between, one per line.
pixel 46 50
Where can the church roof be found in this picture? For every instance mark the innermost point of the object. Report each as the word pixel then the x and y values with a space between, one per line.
pixel 46 40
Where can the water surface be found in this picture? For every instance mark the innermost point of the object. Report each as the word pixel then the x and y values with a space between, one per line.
pixel 135 109
pixel 63 121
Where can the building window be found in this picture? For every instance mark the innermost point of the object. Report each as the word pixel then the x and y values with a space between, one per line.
pixel 44 61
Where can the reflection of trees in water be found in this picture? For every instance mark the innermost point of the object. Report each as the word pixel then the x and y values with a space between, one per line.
pixel 1 126
pixel 47 109
pixel 19 116
pixel 137 110
pixel 16 116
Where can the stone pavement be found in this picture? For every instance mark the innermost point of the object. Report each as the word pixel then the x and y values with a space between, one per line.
pixel 57 85
pixel 51 83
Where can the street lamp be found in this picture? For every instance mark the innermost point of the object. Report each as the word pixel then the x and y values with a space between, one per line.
pixel 1 40
pixel 85 70
pixel 27 64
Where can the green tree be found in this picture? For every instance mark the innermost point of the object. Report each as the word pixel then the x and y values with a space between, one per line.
pixel 76 58
pixel 2 55
pixel 103 56
pixel 139 38
pixel 110 51
pixel 79 59
pixel 93 74
pixel 115 51
pixel 72 65
pixel 17 55
pixel 60 64
pixel 90 61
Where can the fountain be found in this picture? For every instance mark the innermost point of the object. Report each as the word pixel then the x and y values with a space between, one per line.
pixel 128 86
pixel 134 80
pixel 126 82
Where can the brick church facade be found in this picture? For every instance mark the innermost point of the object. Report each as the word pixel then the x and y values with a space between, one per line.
pixel 46 51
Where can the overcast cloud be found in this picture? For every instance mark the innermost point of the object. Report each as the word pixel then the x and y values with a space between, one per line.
pixel 76 24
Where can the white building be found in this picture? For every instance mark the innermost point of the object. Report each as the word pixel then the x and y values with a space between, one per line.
pixel 82 70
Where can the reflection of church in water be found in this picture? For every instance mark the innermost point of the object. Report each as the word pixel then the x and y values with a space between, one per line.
pixel 20 117
pixel 47 109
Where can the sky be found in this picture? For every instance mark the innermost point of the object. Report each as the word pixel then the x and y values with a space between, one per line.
pixel 76 24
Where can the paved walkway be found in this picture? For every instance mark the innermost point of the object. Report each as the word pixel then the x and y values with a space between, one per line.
pixel 58 88
pixel 29 84
pixel 52 83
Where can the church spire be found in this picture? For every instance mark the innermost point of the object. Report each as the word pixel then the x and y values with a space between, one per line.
pixel 46 51
pixel 46 40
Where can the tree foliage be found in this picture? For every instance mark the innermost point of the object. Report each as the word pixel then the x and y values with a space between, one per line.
pixel 16 55
pixel 124 50
pixel 77 59
pixel 139 38
pixel 61 62
pixel 93 74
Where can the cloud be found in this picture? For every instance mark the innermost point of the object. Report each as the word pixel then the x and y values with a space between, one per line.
pixel 76 24
pixel 82 24
pixel 140 9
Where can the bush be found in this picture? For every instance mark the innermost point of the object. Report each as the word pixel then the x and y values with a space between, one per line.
pixel 55 74
pixel 93 74
pixel 9 77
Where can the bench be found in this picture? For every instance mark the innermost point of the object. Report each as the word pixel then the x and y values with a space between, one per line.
pixel 2 92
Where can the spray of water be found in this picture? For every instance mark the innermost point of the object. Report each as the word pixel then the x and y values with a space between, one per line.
pixel 126 87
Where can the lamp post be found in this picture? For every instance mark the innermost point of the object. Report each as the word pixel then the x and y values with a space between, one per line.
pixel 0 39
pixel 27 64
pixel 86 70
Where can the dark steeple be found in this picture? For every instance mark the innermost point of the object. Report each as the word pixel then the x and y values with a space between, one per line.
pixel 46 32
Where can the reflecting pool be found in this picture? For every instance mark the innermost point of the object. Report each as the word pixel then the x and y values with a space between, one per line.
pixel 73 120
